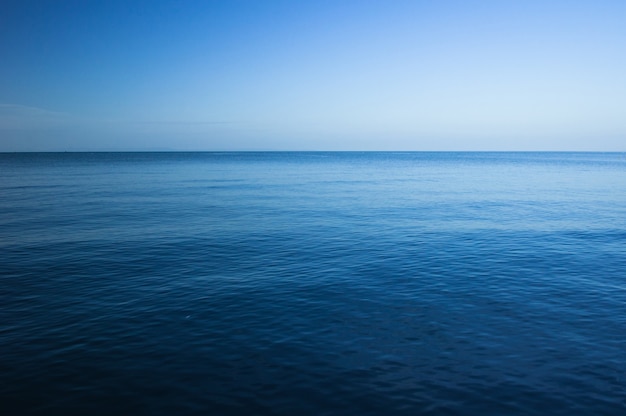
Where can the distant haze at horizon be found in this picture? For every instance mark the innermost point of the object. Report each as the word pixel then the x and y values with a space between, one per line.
pixel 280 75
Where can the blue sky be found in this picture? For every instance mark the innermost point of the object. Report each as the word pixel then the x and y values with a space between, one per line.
pixel 319 75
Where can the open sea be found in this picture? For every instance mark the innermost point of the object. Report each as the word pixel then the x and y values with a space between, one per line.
pixel 286 283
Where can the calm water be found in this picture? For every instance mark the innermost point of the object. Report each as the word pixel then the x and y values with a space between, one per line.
pixel 313 283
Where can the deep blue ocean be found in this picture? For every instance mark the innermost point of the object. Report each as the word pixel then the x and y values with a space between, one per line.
pixel 313 283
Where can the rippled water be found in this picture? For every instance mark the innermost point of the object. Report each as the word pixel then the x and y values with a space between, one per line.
pixel 313 283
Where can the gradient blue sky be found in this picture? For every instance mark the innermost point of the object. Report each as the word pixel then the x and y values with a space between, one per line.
pixel 318 75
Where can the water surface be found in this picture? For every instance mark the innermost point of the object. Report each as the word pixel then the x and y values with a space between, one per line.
pixel 313 283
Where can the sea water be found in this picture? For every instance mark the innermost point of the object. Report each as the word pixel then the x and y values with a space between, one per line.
pixel 313 283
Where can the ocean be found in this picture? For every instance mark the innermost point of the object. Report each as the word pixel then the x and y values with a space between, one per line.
pixel 313 283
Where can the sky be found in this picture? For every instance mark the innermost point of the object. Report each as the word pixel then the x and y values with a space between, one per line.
pixel 89 75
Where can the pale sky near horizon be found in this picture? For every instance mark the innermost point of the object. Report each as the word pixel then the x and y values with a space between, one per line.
pixel 312 75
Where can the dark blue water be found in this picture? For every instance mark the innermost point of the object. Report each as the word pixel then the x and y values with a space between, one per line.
pixel 313 283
